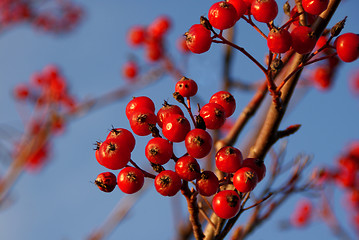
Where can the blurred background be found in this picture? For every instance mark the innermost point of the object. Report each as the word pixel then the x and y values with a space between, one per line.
pixel 61 201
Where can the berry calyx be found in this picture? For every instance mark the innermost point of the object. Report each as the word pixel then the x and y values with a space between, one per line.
pixel 106 181
pixel 257 165
pixel 113 155
pixel 245 179
pixel 123 137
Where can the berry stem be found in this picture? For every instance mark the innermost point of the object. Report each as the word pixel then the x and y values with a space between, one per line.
pixel 147 174
pixel 250 22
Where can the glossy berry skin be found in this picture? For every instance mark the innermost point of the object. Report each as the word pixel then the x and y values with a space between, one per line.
pixel 222 15
pixel 226 204
pixel 198 143
pixel 229 159
pixel 198 39
pixel 166 111
pixel 303 40
pixel 123 137
pixel 97 152
pixel 175 128
pixel 139 102
pixel 113 155
pixel 240 6
pixel 226 100
pixel 245 179
pixel 186 87
pixel 136 36
pixel 279 40
pixel 347 46
pixel 168 183
pixel 213 115
pixel 159 150
pixel 207 184
pixel 106 181
pixel 141 121
pixel 187 168
pixel 315 7
pixel 264 10
pixel 257 165
pixel 130 180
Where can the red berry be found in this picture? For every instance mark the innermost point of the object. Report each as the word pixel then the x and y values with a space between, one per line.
pixel 315 7
pixel 228 159
pixel 141 102
pixel 186 87
pixel 123 137
pixel 136 35
pixel 159 26
pixel 166 111
pixel 347 46
pixel 226 204
pixel 182 45
pixel 240 6
pixel 222 15
pixel 168 183
pixel 198 143
pixel 175 128
pixel 113 155
pixel 257 165
pixel 303 40
pixel 301 214
pixel 97 152
pixel 158 150
pixel 279 40
pixel 106 181
pixel 198 39
pixel 264 10
pixel 21 92
pixel 187 168
pixel 226 100
pixel 130 70
pixel 130 180
pixel 141 121
pixel 207 184
pixel 322 77
pixel 245 179
pixel 153 51
pixel 213 115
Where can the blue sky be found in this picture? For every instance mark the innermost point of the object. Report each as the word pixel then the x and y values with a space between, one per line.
pixel 60 202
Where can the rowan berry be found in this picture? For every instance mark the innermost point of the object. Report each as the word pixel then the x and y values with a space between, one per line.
pixel 245 179
pixel 159 26
pixel 198 143
pixel 222 15
pixel 186 87
pixel 168 183
pixel 158 150
pixel 257 165
pixel 240 6
pixel 279 40
pixel 303 40
pixel 113 155
pixel 175 128
pixel 123 137
pixel 264 10
pixel 141 121
pixel 188 168
pixel 294 12
pixel 21 92
pixel 226 100
pixel 198 39
pixel 315 7
pixel 136 36
pixel 226 204
pixel 347 46
pixel 130 70
pixel 106 181
pixel 139 102
pixel 229 159
pixel 213 115
pixel 166 111
pixel 207 184
pixel 130 180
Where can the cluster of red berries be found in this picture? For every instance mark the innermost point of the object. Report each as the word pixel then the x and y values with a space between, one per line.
pixel 62 16
pixel 223 15
pixel 47 91
pixel 115 152
pixel 150 37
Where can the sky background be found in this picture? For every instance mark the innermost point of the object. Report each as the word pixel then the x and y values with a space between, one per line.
pixel 60 202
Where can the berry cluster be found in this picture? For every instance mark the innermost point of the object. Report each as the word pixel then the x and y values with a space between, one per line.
pixel 48 93
pixel 58 17
pixel 115 152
